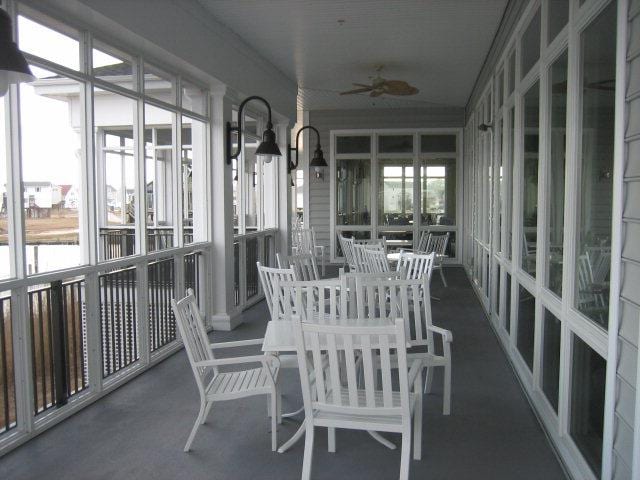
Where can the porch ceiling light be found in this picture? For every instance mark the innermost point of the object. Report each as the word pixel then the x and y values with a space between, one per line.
pixel 268 148
pixel 13 66
pixel 317 162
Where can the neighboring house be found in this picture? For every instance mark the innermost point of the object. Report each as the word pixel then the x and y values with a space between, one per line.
pixel 40 198
pixel 71 197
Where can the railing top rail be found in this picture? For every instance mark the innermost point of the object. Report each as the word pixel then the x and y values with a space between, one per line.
pixel 259 233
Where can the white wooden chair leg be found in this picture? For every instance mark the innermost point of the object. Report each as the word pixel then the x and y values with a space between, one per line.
pixel 417 422
pixel 428 380
pixel 405 454
pixel 444 281
pixel 331 440
pixel 308 452
pixel 206 412
pixel 274 421
pixel 446 407
pixel 197 423
pixel 279 406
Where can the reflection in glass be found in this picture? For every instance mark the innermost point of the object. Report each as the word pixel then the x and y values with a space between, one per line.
pixel 353 192
pixel 598 54
pixel 555 239
pixel 353 144
pixel 159 177
pixel 508 199
pixel 507 302
pixel 438 143
pixel 397 239
pixel 395 192
pixel 551 358
pixel 558 17
pixel 501 183
pixel 526 325
pixel 586 422
pixel 158 84
pixel 52 193
pixel 438 191
pixel 395 143
pixel 511 78
pixel 530 45
pixel 112 67
pixel 530 179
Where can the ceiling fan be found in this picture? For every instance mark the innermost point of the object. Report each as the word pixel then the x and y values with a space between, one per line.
pixel 380 86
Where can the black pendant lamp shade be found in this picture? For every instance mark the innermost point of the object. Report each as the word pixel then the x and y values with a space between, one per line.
pixel 268 148
pixel 318 160
pixel 13 65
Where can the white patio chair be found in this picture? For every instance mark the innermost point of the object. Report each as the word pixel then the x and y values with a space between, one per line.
pixel 214 385
pixel 396 298
pixel 346 244
pixel 376 260
pixel 328 402
pixel 304 266
pixel 438 244
pixel 415 266
pixel 304 241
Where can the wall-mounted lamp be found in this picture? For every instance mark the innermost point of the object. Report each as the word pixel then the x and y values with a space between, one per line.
pixel 483 127
pixel 13 66
pixel 317 162
pixel 268 148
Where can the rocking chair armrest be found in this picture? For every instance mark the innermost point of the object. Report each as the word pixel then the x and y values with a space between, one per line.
pixel 217 362
pixel 414 371
pixel 238 343
pixel 447 336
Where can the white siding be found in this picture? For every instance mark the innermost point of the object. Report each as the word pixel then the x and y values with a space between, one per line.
pixel 327 120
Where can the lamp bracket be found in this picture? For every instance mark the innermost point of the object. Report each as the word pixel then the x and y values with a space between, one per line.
pixel 290 165
pixel 238 128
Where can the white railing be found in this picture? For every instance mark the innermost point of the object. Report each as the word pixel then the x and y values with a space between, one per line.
pixel 248 249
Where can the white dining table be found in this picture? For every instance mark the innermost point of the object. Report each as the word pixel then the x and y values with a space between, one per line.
pixel 279 338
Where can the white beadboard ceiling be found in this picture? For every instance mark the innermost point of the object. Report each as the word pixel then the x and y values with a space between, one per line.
pixel 436 45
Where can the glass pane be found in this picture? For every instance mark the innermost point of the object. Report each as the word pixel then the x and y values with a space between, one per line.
pixel 250 181
pixel 194 158
pixel 299 196
pixel 526 325
pixel 359 144
pixel 598 53
pixel 194 98
pixel 496 290
pixel 438 191
pixel 47 43
pixel 509 161
pixel 8 411
pixel 357 234
pixel 551 358
pixel 556 174
pixel 587 402
pixel 5 257
pixel 558 17
pixel 438 143
pixel 159 177
pixel 530 45
pixel 158 84
pixel 115 182
pixel 500 88
pixel 530 179
pixel 501 184
pixel 353 188
pixel 112 67
pixel 397 239
pixel 395 143
pixel 395 192
pixel 511 84
pixel 507 301
pixel 51 155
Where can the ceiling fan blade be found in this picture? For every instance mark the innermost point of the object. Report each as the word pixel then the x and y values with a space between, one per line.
pixel 376 93
pixel 399 87
pixel 361 85
pixel 357 90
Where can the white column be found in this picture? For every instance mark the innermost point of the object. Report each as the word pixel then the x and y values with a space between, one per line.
pixel 283 193
pixel 220 284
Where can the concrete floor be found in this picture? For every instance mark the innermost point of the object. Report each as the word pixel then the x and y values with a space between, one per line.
pixel 138 431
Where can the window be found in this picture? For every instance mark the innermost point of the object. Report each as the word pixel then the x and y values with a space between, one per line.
pixel 438 191
pixel 353 192
pixel 558 11
pixel 507 302
pixel 530 179
pixel 51 152
pixel 6 262
pixel 593 250
pixel 395 192
pixel 158 84
pixel 438 143
pixel 510 132
pixel 586 423
pixel 551 358
pixel 555 187
pixel 395 143
pixel 112 66
pixel 116 174
pixel 526 325
pixel 530 45
pixel 49 44
pixel 511 78
pixel 194 188
pixel 353 144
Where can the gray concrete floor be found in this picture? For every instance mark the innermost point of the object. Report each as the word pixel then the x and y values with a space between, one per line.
pixel 138 431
